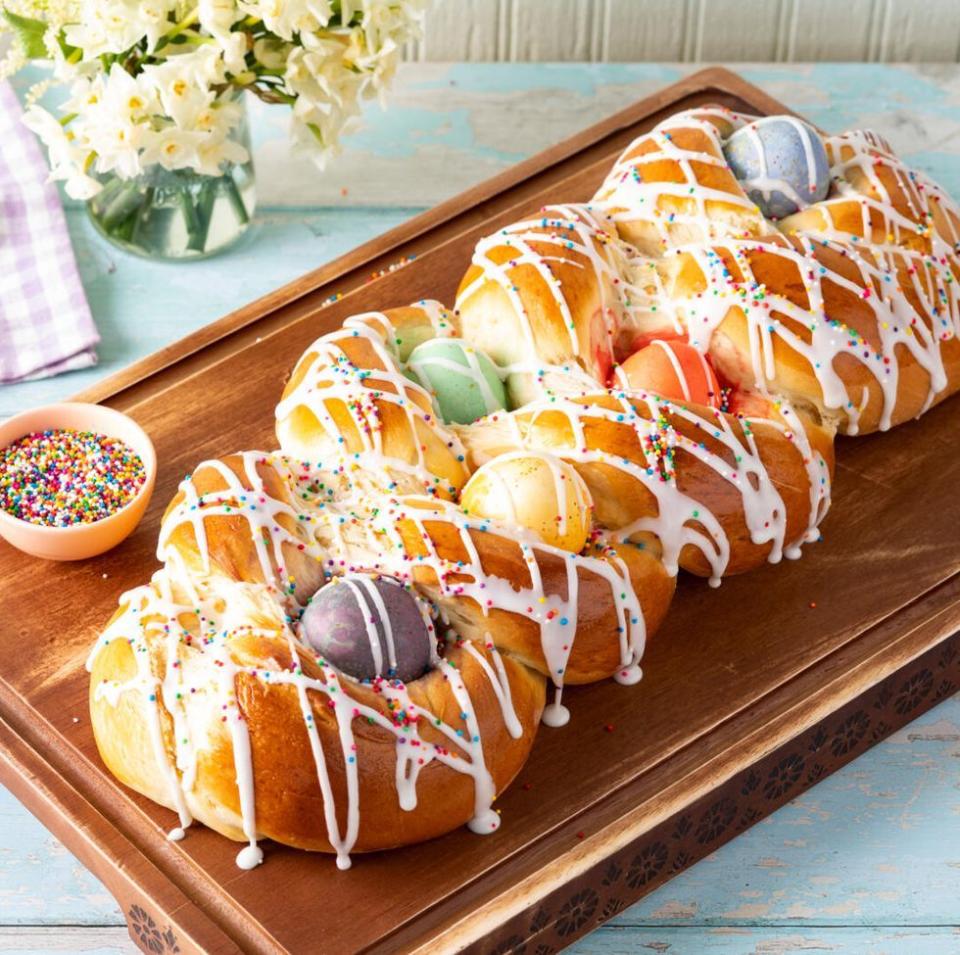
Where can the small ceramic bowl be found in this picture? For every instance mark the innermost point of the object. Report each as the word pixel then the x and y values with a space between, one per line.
pixel 80 540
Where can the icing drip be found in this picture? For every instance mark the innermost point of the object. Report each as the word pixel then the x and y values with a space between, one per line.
pixel 574 236
pixel 332 382
pixel 246 496
pixel 555 616
pixel 680 519
pixel 186 621
pixel 555 714
pixel 211 662
pixel 859 156
pixel 626 197
pixel 905 239
pixel 817 338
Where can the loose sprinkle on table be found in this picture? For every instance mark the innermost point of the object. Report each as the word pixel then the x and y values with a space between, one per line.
pixel 62 478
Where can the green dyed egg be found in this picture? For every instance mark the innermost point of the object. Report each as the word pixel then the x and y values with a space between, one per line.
pixel 463 382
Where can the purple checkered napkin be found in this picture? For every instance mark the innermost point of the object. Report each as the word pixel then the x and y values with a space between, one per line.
pixel 45 322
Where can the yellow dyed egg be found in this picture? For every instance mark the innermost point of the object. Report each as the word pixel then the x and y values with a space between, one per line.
pixel 533 490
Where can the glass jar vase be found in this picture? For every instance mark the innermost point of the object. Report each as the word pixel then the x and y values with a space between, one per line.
pixel 178 213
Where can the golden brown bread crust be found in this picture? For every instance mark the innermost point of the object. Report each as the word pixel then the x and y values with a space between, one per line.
pixel 249 538
pixel 851 313
pixel 547 292
pixel 596 620
pixel 606 437
pixel 215 500
pixel 346 396
pixel 797 324
pixel 854 337
pixel 289 803
pixel 420 539
pixel 672 186
pixel 884 201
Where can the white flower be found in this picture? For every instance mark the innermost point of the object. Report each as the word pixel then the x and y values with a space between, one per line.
pixel 172 148
pixel 67 160
pixel 155 81
pixel 286 18
pixel 114 26
pixel 217 17
pixel 182 84
pixel 116 120
pixel 217 150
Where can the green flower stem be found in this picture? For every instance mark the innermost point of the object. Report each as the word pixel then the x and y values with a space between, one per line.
pixel 196 234
pixel 236 200
pixel 120 204
pixel 206 199
pixel 124 230
pixel 142 214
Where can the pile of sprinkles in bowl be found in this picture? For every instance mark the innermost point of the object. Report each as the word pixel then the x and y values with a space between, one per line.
pixel 61 478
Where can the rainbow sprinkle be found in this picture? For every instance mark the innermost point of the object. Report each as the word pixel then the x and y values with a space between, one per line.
pixel 62 478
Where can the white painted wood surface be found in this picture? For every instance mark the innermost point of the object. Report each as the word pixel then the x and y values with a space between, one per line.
pixel 692 30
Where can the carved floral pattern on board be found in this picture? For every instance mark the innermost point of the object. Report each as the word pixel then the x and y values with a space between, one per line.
pixel 148 935
pixel 678 842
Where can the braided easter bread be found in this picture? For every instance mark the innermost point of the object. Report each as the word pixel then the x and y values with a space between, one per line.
pixel 848 306
pixel 204 699
pixel 349 643
pixel 208 694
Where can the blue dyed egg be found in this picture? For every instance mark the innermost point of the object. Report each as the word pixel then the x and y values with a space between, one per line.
pixel 368 626
pixel 781 163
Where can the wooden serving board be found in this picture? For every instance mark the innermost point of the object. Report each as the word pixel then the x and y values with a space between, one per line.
pixel 751 693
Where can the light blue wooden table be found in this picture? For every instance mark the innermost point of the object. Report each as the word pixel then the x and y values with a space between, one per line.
pixel 866 862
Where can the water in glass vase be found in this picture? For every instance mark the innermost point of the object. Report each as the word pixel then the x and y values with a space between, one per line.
pixel 178 213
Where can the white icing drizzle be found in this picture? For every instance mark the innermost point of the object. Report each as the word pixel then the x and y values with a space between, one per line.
pixel 211 662
pixel 183 626
pixel 821 340
pixel 440 320
pixel 245 496
pixel 556 616
pixel 575 236
pixel 860 154
pixel 332 378
pixel 626 197
pixel 366 594
pixel 681 519
pixel 675 364
pixel 905 239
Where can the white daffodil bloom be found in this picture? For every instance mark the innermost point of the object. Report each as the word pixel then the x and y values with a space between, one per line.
pixel 156 82
pixel 217 17
pixel 114 26
pixel 217 151
pixel 66 159
pixel 287 18
pixel 179 85
pixel 172 148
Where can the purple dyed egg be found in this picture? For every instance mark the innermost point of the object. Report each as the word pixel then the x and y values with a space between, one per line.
pixel 368 626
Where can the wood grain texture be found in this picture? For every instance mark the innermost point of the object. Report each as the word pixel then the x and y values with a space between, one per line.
pixel 856 865
pixel 678 943
pixel 664 30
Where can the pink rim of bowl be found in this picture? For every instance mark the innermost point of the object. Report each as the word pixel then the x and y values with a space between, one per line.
pixel 80 540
